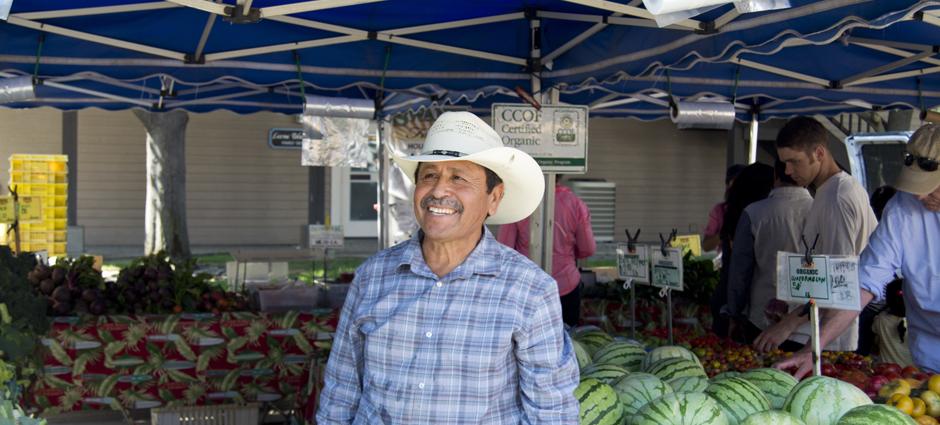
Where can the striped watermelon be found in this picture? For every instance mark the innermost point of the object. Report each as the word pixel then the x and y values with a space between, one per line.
pixel 727 374
pixel 773 417
pixel 599 403
pixel 667 352
pixel 584 329
pixel 872 414
pixel 675 367
pixel 637 389
pixel 592 338
pixel 581 353
pixel 738 398
pixel 776 384
pixel 688 384
pixel 822 400
pixel 681 409
pixel 625 354
pixel 606 373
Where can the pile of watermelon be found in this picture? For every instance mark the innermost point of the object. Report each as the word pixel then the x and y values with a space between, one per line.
pixel 624 382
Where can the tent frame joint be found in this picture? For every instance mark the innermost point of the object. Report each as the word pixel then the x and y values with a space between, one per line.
pixel 372 35
pixel 191 59
pixel 534 65
pixel 530 13
pixel 707 28
pixel 236 15
pixel 836 85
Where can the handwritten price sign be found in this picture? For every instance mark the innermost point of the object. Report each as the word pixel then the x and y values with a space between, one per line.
pixel 832 281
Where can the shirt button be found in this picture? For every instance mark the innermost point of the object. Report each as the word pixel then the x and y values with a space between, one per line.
pixel 421 385
pixel 428 334
pixel 440 284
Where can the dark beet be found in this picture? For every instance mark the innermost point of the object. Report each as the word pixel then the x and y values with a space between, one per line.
pixel 62 294
pixel 89 295
pixel 58 275
pixel 46 286
pixel 97 308
pixel 62 309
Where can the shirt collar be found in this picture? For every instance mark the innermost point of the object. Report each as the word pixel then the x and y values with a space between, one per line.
pixel 484 259
pixel 788 192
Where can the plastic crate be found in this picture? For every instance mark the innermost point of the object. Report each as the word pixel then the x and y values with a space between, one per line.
pixel 222 414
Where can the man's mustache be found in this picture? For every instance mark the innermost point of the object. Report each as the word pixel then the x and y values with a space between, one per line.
pixel 431 201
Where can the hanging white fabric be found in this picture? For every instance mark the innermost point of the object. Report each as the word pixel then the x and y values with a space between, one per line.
pixel 668 12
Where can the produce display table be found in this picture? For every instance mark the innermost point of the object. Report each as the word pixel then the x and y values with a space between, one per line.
pixel 127 362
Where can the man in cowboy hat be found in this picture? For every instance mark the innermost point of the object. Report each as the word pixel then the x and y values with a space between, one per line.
pixel 907 238
pixel 452 327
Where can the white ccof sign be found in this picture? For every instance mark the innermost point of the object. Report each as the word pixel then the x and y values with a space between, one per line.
pixel 831 281
pixel 634 266
pixel 556 136
pixel 325 236
pixel 667 269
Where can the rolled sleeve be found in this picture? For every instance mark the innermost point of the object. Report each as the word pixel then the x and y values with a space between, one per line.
pixel 342 387
pixel 548 370
pixel 881 258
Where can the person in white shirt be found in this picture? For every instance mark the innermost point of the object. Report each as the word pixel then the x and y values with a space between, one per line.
pixel 840 215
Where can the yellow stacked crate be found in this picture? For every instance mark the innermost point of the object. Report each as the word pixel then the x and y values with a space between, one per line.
pixel 44 177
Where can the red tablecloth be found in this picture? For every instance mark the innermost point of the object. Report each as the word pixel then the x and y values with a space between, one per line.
pixel 127 362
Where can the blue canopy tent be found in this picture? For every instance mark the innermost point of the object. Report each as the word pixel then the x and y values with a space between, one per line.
pixel 823 56
pixel 828 56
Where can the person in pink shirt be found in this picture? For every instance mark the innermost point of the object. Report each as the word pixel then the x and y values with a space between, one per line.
pixel 573 239
pixel 716 216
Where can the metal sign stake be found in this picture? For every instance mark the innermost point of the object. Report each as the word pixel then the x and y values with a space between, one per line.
pixel 814 323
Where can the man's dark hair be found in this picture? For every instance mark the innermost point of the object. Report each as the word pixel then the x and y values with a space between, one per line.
pixel 492 180
pixel 802 133
pixel 780 171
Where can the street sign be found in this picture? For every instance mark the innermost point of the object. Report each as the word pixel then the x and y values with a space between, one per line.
pixel 285 138
pixel 556 136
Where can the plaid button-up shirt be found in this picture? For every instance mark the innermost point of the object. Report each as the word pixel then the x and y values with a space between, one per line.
pixel 484 344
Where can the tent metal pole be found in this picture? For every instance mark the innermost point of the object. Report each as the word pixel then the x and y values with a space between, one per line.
pixel 203 5
pixel 450 49
pixel 108 41
pixel 284 47
pixel 309 6
pixel 631 11
pixel 752 146
pixel 456 24
pixel 88 11
pixel 96 93
pixel 784 72
pixel 896 76
pixel 536 220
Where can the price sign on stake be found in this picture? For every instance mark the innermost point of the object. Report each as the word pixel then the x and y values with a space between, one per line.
pixel 633 266
pixel 831 281
pixel 828 281
pixel 326 236
pixel 667 269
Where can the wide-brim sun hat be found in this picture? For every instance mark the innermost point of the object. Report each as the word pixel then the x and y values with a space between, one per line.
pixel 462 136
pixel 924 143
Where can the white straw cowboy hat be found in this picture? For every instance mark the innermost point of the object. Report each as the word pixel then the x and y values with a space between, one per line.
pixel 923 150
pixel 462 136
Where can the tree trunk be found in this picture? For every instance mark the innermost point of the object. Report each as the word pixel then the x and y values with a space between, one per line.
pixel 165 216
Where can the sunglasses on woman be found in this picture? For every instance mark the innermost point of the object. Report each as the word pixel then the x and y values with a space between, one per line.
pixel 925 164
